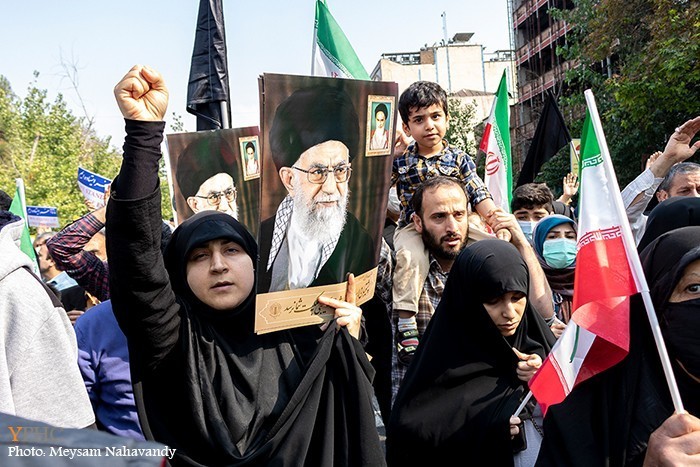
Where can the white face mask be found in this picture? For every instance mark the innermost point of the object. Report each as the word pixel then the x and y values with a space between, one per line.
pixel 527 227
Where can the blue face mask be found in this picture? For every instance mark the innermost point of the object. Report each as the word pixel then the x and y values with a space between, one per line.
pixel 559 252
pixel 527 228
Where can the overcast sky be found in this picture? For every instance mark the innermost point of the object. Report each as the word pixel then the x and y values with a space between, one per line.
pixel 103 39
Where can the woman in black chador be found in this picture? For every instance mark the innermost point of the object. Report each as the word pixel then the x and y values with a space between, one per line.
pixel 205 384
pixel 455 403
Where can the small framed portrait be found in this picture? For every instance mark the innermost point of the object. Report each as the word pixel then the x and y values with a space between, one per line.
pixel 251 157
pixel 380 125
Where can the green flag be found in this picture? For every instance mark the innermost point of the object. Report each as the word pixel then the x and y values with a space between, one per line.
pixel 496 144
pixel 17 208
pixel 333 56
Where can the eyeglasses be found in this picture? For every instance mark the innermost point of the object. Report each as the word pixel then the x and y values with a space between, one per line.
pixel 318 175
pixel 214 199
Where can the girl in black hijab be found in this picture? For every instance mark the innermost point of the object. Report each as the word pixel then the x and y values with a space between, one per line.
pixel 457 398
pixel 205 384
pixel 608 419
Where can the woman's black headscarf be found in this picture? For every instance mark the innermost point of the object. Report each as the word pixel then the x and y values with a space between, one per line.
pixel 670 214
pixel 293 397
pixel 460 391
pixel 607 419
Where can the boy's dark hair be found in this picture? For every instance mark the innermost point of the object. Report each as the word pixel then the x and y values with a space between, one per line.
pixel 531 196
pixel 250 145
pixel 431 184
pixel 421 94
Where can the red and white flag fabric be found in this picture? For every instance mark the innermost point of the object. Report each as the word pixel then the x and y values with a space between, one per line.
pixel 495 143
pixel 597 337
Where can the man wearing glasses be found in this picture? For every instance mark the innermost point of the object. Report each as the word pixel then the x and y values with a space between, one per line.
pixel 313 239
pixel 204 179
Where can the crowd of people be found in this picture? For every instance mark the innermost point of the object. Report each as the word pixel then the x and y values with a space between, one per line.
pixel 148 333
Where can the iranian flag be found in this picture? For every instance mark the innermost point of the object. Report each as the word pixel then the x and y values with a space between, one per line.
pixel 597 337
pixel 496 145
pixel 333 56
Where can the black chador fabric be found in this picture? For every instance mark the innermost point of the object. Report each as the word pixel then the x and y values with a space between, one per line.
pixel 204 382
pixel 672 213
pixel 460 391
pixel 607 419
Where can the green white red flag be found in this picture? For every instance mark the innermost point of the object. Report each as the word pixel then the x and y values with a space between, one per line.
pixel 597 337
pixel 495 143
pixel 333 56
pixel 19 208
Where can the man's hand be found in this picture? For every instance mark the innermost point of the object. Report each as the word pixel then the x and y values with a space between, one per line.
pixel 528 365
pixel 652 159
pixel 142 94
pixel 675 442
pixel 90 205
pixel 678 148
pixel 347 313
pixel 73 315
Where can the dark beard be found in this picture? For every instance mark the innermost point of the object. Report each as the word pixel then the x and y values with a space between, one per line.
pixel 435 248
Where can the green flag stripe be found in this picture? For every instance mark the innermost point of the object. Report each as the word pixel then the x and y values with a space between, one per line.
pixel 502 131
pixel 335 45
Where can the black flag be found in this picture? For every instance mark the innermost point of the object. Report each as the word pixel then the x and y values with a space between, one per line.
pixel 208 85
pixel 550 136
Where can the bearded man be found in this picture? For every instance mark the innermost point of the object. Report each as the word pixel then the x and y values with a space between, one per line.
pixel 312 239
pixel 204 175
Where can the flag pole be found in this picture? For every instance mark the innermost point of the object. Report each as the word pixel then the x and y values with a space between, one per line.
pixel 313 44
pixel 522 404
pixel 224 116
pixel 633 256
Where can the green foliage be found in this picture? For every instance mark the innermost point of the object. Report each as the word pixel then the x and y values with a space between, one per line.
pixel 460 131
pixel 640 59
pixel 177 125
pixel 43 143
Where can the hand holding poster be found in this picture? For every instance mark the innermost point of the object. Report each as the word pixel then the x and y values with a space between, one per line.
pixel 93 187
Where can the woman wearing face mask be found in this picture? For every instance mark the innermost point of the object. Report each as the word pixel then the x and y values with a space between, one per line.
pixel 554 240
pixel 469 375
pixel 624 415
pixel 204 383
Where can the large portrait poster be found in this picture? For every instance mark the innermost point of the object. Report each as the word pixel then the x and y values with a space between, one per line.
pixel 216 170
pixel 324 192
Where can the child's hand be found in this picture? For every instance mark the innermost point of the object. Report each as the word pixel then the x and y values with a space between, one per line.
pixel 503 234
pixel 401 143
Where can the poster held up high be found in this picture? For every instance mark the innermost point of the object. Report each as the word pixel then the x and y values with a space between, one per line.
pixel 324 191
pixel 211 170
